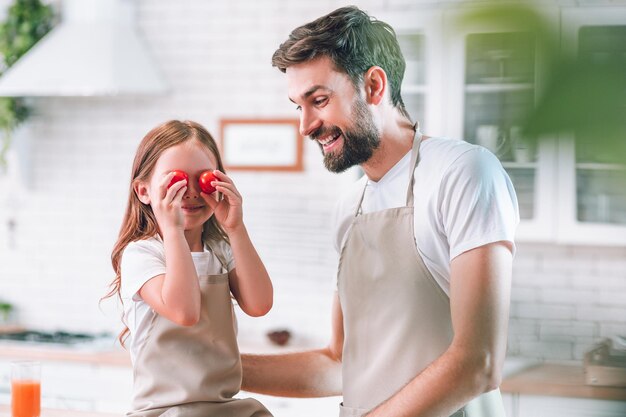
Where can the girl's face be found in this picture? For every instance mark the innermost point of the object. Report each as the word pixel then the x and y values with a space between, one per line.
pixel 193 158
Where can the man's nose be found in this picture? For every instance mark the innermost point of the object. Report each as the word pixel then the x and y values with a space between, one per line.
pixel 309 122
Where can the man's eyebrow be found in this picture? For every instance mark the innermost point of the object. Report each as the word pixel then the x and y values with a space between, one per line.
pixel 310 91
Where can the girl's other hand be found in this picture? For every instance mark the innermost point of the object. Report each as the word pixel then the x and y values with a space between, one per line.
pixel 166 205
pixel 228 211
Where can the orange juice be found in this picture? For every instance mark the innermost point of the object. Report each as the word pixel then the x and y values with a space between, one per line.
pixel 25 398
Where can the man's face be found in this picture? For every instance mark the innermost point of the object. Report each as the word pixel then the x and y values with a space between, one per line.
pixel 332 113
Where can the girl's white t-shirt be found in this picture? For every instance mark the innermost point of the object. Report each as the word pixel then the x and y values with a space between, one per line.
pixel 143 260
pixel 463 199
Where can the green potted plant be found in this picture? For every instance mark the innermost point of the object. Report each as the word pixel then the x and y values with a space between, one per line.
pixel 5 312
pixel 27 21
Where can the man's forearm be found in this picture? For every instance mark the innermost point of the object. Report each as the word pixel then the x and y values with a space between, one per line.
pixel 312 373
pixel 480 286
pixel 442 388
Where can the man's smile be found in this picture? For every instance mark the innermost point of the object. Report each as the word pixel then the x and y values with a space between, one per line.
pixel 329 141
pixel 327 138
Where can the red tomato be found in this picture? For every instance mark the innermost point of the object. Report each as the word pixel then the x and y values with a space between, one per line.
pixel 178 176
pixel 205 182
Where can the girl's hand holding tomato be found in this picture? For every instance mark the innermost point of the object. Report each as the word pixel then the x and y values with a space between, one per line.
pixel 227 211
pixel 167 204
pixel 205 182
pixel 178 176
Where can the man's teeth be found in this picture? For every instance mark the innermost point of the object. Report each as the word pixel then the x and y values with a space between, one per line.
pixel 325 142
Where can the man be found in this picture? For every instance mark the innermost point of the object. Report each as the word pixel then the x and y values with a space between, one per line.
pixel 425 240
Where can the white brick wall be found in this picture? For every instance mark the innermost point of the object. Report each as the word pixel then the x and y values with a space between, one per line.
pixel 564 299
pixel 216 58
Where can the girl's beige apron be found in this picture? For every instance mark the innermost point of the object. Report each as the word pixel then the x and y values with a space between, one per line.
pixel 194 371
pixel 396 317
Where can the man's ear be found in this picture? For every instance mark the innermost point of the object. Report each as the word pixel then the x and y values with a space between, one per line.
pixel 141 190
pixel 375 83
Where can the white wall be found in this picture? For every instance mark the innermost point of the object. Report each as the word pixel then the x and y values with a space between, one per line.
pixel 565 298
pixel 216 58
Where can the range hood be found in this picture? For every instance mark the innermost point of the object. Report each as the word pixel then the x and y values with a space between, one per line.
pixel 94 51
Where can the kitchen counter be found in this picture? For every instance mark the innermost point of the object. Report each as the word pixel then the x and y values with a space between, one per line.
pixel 521 376
pixel 117 356
pixel 5 411
pixel 558 381
pixel 113 356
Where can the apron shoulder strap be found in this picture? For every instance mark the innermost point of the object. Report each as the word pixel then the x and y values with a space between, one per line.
pixel 415 151
pixel 218 253
pixel 359 209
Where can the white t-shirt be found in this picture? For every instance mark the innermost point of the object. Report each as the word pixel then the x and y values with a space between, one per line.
pixel 463 199
pixel 145 259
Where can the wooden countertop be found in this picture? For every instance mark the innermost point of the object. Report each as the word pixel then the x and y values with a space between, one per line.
pixel 546 379
pixel 114 356
pixel 558 381
pixel 5 411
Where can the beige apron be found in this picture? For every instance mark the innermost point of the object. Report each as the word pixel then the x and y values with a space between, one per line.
pixel 396 317
pixel 194 371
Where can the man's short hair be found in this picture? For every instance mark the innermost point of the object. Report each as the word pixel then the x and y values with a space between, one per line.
pixel 354 41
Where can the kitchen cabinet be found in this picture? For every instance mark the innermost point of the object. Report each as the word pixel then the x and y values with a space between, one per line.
pixel 593 191
pixel 421 38
pixel 476 81
pixel 300 407
pixel 496 78
pixel 81 386
pixel 5 411
pixel 510 404
pixel 100 381
pixel 540 406
pixel 78 386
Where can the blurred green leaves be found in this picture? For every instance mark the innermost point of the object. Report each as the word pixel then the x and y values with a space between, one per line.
pixel 583 91
pixel 585 98
pixel 26 23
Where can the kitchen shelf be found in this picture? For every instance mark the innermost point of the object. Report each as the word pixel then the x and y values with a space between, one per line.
pixel 414 89
pixel 497 88
pixel 598 166
pixel 519 165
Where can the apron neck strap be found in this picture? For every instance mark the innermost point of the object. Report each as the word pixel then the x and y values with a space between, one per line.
pixel 417 139
pixel 415 151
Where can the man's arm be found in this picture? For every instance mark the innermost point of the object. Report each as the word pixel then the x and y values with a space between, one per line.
pixel 314 373
pixel 480 283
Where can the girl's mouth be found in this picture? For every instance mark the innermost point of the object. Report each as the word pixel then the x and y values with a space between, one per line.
pixel 192 209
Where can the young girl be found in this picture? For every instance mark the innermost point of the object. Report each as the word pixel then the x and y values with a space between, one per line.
pixel 175 272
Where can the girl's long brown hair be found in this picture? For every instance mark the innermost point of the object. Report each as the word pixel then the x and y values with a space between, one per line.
pixel 139 222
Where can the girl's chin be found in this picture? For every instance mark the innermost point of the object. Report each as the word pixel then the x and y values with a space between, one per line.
pixel 196 223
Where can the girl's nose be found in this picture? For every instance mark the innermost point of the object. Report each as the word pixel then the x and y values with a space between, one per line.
pixel 193 189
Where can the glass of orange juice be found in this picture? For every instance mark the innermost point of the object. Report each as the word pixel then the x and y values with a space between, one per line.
pixel 25 389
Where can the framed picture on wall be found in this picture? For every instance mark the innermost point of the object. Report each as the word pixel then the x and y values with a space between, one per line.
pixel 261 144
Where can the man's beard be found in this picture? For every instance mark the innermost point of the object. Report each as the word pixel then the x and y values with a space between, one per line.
pixel 359 142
